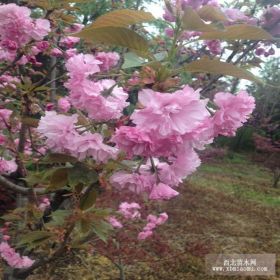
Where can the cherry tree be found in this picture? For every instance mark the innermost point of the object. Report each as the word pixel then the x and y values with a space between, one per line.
pixel 88 111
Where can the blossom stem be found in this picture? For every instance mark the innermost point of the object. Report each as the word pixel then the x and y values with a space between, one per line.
pixel 154 169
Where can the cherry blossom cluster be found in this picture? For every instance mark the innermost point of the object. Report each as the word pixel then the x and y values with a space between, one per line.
pixel 153 222
pixel 9 254
pixel 7 164
pixel 13 258
pixel 103 100
pixel 17 28
pixel 131 212
pixel 167 131
pixel 62 135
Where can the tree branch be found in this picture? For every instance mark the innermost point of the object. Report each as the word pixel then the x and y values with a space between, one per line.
pixel 53 79
pixel 19 189
pixel 229 59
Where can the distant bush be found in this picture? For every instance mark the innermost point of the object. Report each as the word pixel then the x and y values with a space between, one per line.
pixel 243 141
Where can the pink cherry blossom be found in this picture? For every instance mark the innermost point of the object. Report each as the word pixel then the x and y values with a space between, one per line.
pixel 163 217
pixel 56 52
pixel 4 117
pixel 144 235
pixel 168 15
pixel 3 139
pixel 41 29
pixel 35 51
pixel 169 32
pixel 70 53
pixel 214 46
pixel 45 203
pixel 149 226
pixel 17 28
pixel 108 103
pixel 175 113
pixel 138 183
pixel 15 23
pixel 152 218
pixel 234 111
pixel 7 166
pixel 8 80
pixel 271 20
pixel 9 45
pixel 69 41
pixel 74 28
pixel 115 222
pixel 62 136
pixel 162 191
pixel 43 45
pixel 234 15
pixel 185 163
pixel 108 59
pixel 81 66
pixel 130 211
pixel 91 145
pixel 63 104
pixel 6 237
pixel 12 258
pixel 133 141
pixel 202 135
pixel 58 129
pixel 165 145
pixel 153 222
pixel 102 100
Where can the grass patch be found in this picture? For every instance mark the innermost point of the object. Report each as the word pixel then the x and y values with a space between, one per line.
pixel 238 176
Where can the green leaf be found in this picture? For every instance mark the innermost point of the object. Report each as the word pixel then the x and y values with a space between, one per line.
pixel 121 18
pixel 54 4
pixel 238 32
pixel 161 55
pixel 211 13
pixel 34 236
pixel 132 60
pixel 37 177
pixel 102 213
pixel 102 229
pixel 192 21
pixel 82 174
pixel 206 65
pixel 59 158
pixel 11 217
pixel 88 199
pixel 59 217
pixel 41 88
pixel 116 36
pixel 85 225
pixel 59 178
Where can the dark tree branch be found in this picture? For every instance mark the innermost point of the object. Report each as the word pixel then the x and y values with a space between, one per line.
pixel 19 189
